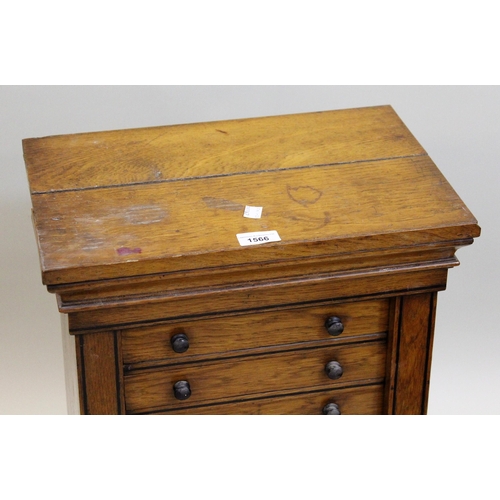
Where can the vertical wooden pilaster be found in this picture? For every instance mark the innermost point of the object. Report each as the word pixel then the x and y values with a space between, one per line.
pixel 410 350
pixel 99 373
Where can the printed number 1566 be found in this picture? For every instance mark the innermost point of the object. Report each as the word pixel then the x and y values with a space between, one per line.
pixel 257 239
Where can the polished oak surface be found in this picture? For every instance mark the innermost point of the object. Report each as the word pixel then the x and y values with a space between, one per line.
pixel 379 190
pixel 202 150
pixel 137 239
pixel 365 400
pixel 235 335
pixel 255 375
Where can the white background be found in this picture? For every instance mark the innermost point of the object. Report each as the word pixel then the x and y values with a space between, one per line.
pixel 271 42
pixel 457 125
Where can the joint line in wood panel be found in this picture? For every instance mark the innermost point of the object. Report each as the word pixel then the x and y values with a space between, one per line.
pixel 373 338
pixel 234 312
pixel 392 345
pixel 83 389
pixel 428 359
pixel 117 373
pixel 372 383
pixel 214 176
pixel 61 288
pixel 398 343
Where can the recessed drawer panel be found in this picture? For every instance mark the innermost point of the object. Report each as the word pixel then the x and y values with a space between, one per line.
pixel 207 337
pixel 366 400
pixel 224 380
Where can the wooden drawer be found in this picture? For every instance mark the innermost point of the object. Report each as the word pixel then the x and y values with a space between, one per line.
pixel 248 376
pixel 208 337
pixel 366 400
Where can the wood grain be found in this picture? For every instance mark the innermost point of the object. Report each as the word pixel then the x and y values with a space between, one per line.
pixel 392 354
pixel 123 157
pixel 136 232
pixel 99 387
pixel 416 329
pixel 235 334
pixel 247 296
pixel 253 375
pixel 116 232
pixel 366 400
pixel 96 294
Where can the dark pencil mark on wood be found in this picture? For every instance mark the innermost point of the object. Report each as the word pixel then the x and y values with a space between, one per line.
pixel 315 222
pixel 305 195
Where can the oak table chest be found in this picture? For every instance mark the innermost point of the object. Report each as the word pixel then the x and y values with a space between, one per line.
pixel 278 265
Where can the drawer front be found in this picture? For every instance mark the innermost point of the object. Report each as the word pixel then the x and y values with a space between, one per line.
pixel 366 400
pixel 254 375
pixel 208 337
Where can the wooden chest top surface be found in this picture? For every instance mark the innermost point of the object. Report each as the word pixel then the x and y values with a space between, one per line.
pixel 156 200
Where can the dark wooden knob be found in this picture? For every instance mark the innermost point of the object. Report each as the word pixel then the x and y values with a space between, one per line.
pixel 180 342
pixel 334 370
pixel 182 390
pixel 331 409
pixel 334 325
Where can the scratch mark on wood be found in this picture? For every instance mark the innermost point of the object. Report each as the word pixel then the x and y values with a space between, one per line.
pixel 222 203
pixel 136 215
pixel 92 244
pixel 127 250
pixel 145 214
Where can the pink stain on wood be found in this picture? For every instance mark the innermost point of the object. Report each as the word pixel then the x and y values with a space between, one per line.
pixel 127 250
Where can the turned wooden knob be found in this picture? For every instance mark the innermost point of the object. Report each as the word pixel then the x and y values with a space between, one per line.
pixel 334 370
pixel 182 390
pixel 331 409
pixel 180 342
pixel 334 325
